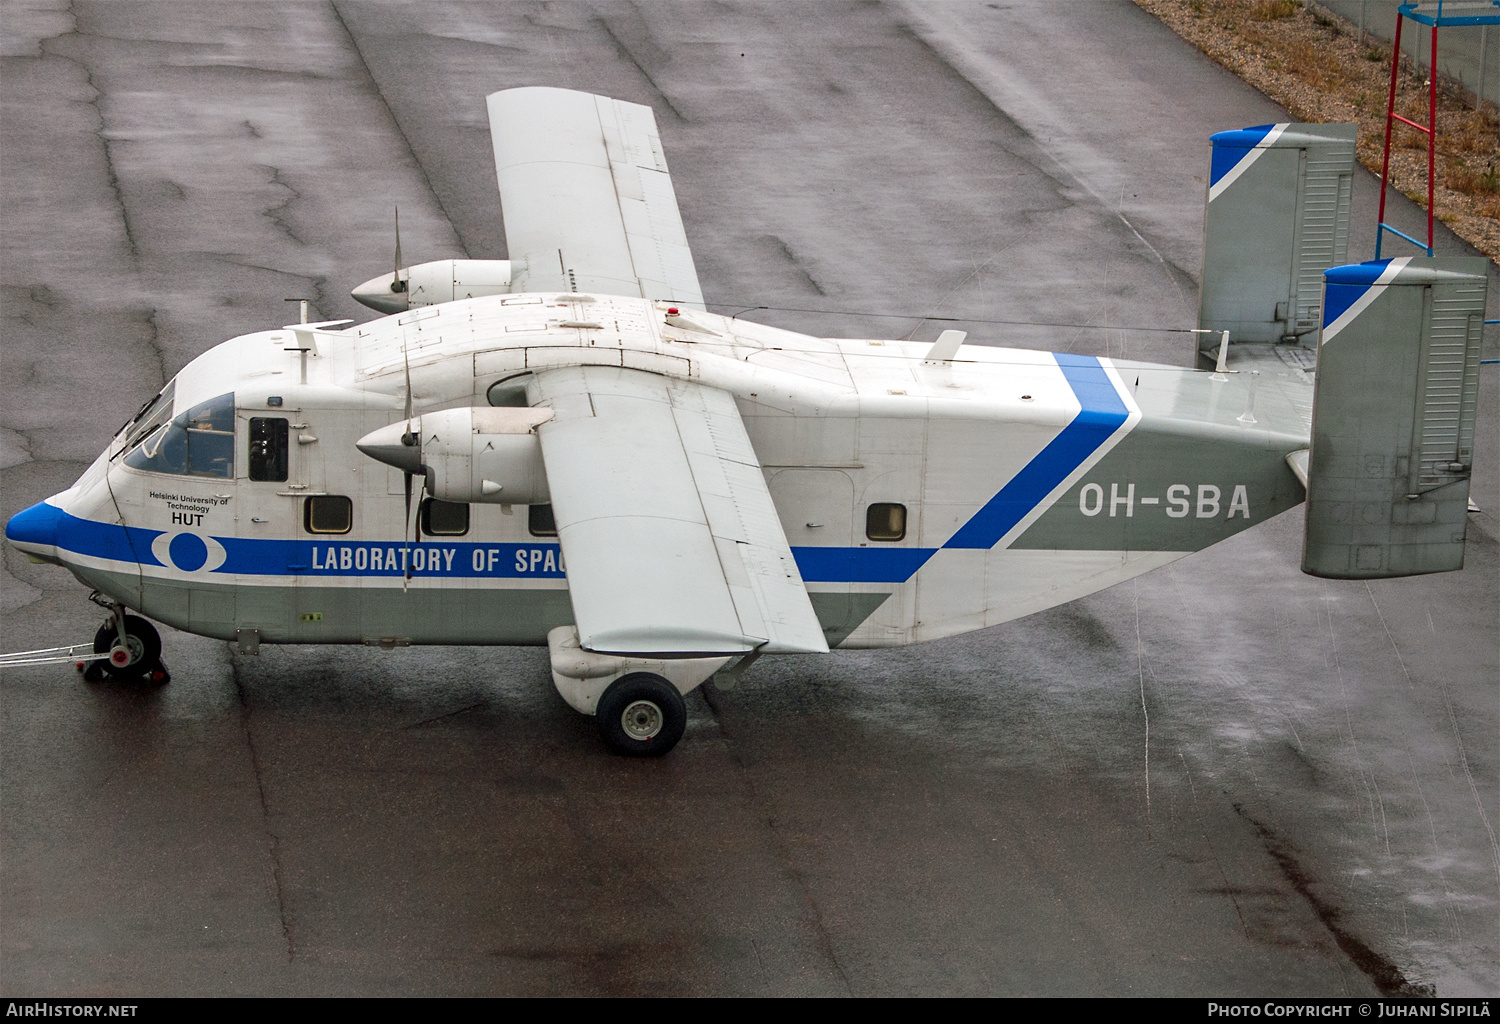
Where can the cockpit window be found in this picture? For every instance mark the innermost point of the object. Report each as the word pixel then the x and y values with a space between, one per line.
pixel 151 415
pixel 200 442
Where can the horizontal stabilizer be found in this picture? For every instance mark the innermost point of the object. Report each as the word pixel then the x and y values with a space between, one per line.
pixel 1298 461
pixel 1393 417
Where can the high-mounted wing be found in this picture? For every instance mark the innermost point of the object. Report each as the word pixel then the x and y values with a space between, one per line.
pixel 587 199
pixel 671 542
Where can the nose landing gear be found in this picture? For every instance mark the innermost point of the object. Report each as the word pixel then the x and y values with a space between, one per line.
pixel 134 649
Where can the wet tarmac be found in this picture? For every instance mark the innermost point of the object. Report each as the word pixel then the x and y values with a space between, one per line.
pixel 1223 778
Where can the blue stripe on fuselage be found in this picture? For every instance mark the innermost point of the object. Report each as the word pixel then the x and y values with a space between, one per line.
pixel 1102 414
pixel 330 557
pixel 860 565
pixel 83 536
pixel 434 556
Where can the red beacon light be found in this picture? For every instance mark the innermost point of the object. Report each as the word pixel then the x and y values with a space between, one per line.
pixel 671 311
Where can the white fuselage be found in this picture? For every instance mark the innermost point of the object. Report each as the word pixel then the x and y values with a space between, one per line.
pixel 1028 479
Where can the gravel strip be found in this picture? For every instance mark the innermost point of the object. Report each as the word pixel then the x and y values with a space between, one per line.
pixel 1312 63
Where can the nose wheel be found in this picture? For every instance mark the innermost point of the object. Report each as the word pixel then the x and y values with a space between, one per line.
pixel 135 660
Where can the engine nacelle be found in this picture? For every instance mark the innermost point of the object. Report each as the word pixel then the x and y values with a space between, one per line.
pixel 428 284
pixel 489 455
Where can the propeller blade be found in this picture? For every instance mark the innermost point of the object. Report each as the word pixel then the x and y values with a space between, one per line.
pixel 413 440
pixel 405 532
pixel 416 526
pixel 414 523
pixel 406 360
pixel 398 285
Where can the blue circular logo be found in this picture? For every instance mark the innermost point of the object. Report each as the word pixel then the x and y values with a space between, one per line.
pixel 188 552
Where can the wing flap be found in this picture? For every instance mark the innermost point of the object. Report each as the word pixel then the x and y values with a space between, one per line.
pixel 587 199
pixel 669 534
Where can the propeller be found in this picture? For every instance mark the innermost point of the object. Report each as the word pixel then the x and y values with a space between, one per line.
pixel 411 440
pixel 398 285
pixel 399 445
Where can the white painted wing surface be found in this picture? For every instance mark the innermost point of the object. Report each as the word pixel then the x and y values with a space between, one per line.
pixel 588 202
pixel 669 536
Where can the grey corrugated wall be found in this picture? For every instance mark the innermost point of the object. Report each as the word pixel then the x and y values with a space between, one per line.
pixel 1463 51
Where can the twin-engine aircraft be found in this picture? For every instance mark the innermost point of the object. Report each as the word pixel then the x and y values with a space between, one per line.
pixel 566 449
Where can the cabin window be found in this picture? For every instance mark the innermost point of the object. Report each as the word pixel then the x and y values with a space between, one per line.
pixel 444 518
pixel 885 520
pixel 268 448
pixel 327 513
pixel 200 442
pixel 540 522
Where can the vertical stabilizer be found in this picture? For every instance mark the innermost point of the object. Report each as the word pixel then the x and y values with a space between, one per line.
pixel 1393 417
pixel 1277 217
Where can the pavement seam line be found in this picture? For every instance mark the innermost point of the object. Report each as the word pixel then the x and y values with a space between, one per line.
pixel 1203 830
pixel 952 55
pixel 154 344
pixel 1450 911
pixel 396 123
pixel 628 55
pixel 99 133
pixel 1381 971
pixel 277 215
pixel 1140 668
pixel 825 939
pixel 287 930
pixel 1463 757
pixel 1366 775
pixel 112 176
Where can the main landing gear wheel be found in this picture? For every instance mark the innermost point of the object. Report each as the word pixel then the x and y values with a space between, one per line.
pixel 138 661
pixel 641 715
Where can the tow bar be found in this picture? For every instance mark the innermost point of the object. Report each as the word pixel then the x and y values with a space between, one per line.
pixel 78 653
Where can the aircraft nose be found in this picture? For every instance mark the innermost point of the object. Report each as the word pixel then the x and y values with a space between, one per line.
pixel 390 445
pixel 34 530
pixel 376 293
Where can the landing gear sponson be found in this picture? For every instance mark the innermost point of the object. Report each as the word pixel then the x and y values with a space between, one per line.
pixel 636 702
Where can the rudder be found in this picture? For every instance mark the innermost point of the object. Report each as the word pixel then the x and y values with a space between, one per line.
pixel 1393 417
pixel 1277 217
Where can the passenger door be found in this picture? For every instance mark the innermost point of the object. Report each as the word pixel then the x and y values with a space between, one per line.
pixel 266 552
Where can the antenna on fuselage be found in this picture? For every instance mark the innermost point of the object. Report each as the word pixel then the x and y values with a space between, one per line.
pixel 1221 366
pixel 946 347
